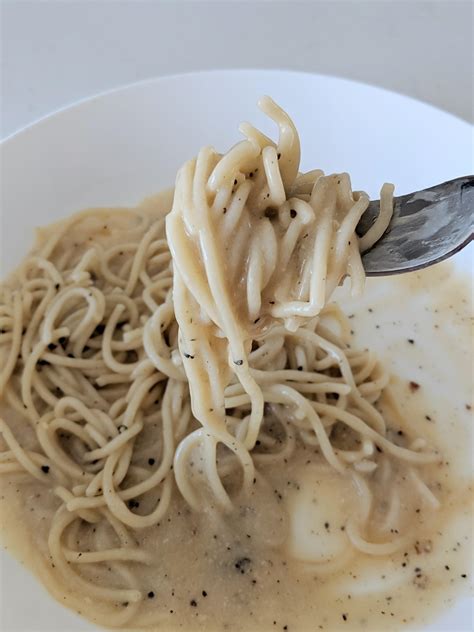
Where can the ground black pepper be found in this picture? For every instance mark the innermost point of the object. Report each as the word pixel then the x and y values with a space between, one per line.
pixel 243 564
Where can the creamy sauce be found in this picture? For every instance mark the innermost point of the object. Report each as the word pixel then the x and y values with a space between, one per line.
pixel 260 567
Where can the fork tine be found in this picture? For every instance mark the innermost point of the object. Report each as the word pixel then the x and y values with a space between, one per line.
pixel 427 226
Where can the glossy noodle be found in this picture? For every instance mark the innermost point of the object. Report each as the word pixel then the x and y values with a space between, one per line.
pixel 136 345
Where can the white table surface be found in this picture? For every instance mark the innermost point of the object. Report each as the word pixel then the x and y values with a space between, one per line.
pixel 56 52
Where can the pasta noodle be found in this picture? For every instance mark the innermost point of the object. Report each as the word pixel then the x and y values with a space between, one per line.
pixel 195 336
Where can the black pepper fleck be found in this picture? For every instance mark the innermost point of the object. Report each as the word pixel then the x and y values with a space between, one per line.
pixel 243 564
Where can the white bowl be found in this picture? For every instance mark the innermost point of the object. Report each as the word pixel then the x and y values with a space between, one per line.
pixel 121 146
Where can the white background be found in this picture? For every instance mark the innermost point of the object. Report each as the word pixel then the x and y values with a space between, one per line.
pixel 56 52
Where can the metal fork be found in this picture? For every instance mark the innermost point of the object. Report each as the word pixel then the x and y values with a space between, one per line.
pixel 427 226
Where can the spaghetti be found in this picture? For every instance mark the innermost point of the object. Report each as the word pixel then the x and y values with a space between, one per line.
pixel 135 345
